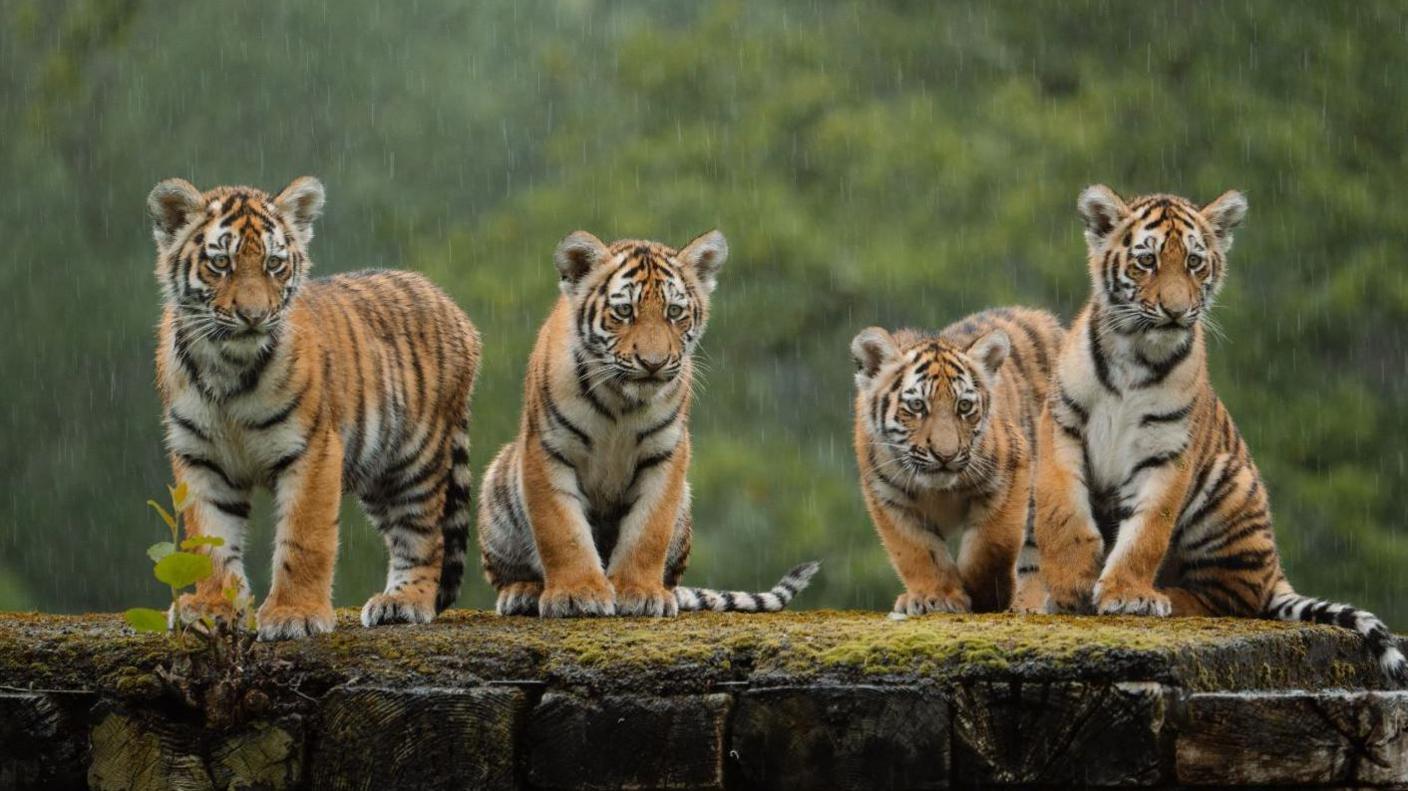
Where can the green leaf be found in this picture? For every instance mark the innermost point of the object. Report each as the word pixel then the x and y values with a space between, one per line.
pixel 202 541
pixel 145 619
pixel 180 569
pixel 178 496
pixel 160 550
pixel 165 517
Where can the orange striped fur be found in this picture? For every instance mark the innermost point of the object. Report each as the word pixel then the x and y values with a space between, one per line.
pixel 587 511
pixel 943 436
pixel 1148 501
pixel 354 383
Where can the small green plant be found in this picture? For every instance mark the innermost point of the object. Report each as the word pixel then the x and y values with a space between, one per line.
pixel 179 567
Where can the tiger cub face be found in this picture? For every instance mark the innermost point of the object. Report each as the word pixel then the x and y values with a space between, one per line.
pixel 927 403
pixel 640 307
pixel 231 259
pixel 1158 261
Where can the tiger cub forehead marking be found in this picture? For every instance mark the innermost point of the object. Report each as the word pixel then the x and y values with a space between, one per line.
pixel 931 365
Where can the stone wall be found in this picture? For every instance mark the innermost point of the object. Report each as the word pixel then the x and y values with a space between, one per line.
pixel 810 700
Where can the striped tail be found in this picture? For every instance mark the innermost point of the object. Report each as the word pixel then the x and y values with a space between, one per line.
pixel 454 523
pixel 791 584
pixel 1287 605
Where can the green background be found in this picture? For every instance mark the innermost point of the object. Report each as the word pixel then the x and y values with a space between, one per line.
pixel 894 163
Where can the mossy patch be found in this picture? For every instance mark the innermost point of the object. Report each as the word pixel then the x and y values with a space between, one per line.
pixel 702 650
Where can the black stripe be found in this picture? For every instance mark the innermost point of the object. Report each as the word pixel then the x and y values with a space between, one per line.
pixel 207 464
pixel 658 427
pixel 1167 417
pixel 283 414
pixel 188 425
pixel 1074 406
pixel 585 391
pixel 237 510
pixel 250 378
pixel 1097 355
pixel 1150 462
pixel 555 454
pixel 1159 371
pixel 653 460
pixel 560 418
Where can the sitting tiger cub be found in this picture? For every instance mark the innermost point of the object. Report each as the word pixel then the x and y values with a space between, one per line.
pixel 1148 501
pixel 943 434
pixel 356 383
pixel 587 511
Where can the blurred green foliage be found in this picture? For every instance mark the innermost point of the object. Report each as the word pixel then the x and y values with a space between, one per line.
pixel 871 163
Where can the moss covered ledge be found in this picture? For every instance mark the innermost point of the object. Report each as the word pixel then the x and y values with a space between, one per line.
pixel 792 700
pixel 701 651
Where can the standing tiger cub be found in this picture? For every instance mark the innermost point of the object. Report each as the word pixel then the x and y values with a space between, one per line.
pixel 353 383
pixel 943 434
pixel 1148 502
pixel 587 511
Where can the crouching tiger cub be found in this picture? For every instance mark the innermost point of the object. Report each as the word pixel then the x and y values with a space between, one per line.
pixel 587 511
pixel 1148 502
pixel 943 434
pixel 355 383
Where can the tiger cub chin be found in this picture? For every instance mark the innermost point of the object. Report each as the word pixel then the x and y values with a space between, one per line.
pixel 944 428
pixel 312 388
pixel 587 511
pixel 1148 501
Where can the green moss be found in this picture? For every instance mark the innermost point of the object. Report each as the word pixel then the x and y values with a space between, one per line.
pixel 701 650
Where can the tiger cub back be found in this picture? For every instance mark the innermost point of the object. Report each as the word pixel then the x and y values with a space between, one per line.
pixel 944 428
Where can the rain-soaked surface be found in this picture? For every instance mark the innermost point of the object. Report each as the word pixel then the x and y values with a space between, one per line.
pixel 895 164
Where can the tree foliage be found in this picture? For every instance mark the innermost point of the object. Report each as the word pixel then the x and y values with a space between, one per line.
pixel 896 163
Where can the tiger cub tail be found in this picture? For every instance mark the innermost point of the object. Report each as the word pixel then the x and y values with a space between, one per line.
pixel 454 522
pixel 1287 605
pixel 792 583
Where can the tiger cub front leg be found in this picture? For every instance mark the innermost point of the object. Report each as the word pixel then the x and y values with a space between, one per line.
pixel 988 558
pixel 932 582
pixel 217 509
pixel 574 583
pixel 1126 584
pixel 306 495
pixel 1070 545
pixel 637 565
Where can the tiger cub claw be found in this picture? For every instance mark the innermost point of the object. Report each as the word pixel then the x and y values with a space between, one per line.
pixel 651 601
pixel 393 608
pixel 1131 600
pixel 288 622
pixel 923 602
pixel 519 598
pixel 590 598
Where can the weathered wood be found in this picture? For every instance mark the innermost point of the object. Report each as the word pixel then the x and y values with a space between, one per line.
pixel 1059 733
pixel 417 739
pixel 852 737
pixel 1293 738
pixel 627 741
pixel 43 741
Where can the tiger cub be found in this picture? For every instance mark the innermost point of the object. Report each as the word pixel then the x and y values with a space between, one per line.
pixel 356 383
pixel 587 511
pixel 1148 502
pixel 944 428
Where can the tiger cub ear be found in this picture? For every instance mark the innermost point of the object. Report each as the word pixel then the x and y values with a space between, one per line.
pixel 301 203
pixel 171 205
pixel 577 255
pixel 1225 214
pixel 872 348
pixel 991 351
pixel 1102 209
pixel 705 255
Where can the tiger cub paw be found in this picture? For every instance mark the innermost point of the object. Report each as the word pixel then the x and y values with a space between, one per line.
pixel 191 607
pixel 1129 599
pixel 648 600
pixel 1070 602
pixel 588 597
pixel 293 622
pixel 384 609
pixel 519 598
pixel 922 602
